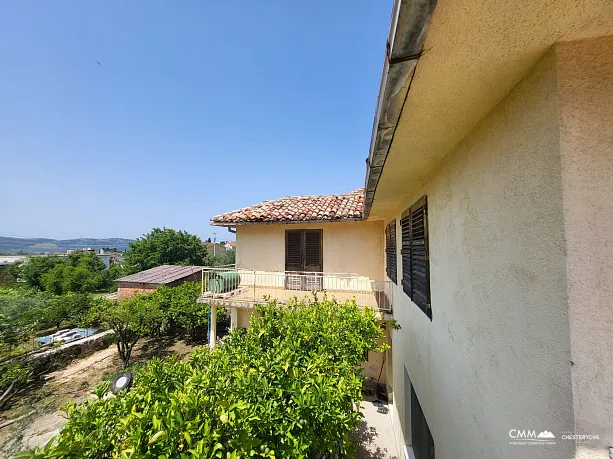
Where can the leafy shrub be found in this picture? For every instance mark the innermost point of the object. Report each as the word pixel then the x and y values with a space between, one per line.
pixel 287 387
pixel 181 308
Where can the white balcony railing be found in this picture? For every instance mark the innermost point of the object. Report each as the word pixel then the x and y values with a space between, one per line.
pixel 232 286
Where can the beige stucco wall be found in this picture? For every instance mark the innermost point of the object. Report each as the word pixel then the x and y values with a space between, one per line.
pixel 496 355
pixel 348 247
pixel 585 85
pixel 242 317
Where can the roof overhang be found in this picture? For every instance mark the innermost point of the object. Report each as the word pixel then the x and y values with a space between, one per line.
pixel 410 20
pixel 474 53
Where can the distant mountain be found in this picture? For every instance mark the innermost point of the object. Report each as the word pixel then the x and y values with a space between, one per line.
pixel 42 245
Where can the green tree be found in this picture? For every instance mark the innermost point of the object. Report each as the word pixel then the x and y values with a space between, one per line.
pixel 165 247
pixel 18 317
pixel 78 272
pixel 113 273
pixel 227 257
pixel 13 272
pixel 69 308
pixel 130 319
pixel 19 314
pixel 33 269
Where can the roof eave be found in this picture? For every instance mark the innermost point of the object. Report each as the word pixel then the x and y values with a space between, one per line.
pixel 408 27
pixel 286 222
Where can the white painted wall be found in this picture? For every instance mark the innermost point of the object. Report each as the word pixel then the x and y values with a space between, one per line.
pixel 585 85
pixel 496 355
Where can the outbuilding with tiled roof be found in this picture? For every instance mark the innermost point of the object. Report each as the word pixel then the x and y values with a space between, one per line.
pixel 147 281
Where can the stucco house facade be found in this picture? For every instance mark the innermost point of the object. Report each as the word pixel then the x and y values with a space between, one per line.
pixel 290 246
pixel 491 163
pixel 487 214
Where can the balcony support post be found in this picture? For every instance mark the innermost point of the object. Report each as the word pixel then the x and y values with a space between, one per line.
pixel 212 325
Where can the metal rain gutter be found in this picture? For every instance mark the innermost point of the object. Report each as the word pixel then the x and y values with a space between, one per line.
pixel 408 27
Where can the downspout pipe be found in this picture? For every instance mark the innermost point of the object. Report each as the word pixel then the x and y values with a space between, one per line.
pixel 408 27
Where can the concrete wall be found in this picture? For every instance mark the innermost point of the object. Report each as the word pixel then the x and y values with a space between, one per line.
pixel 496 355
pixel 348 247
pixel 585 85
pixel 371 369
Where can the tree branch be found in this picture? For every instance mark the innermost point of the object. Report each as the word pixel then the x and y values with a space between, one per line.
pixel 8 393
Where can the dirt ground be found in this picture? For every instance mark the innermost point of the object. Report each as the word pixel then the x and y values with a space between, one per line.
pixel 41 404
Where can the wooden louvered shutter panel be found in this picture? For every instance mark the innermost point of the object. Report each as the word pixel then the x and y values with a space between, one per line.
pixel 420 270
pixel 312 250
pixel 313 259
pixel 405 224
pixel 293 251
pixel 387 250
pixel 390 250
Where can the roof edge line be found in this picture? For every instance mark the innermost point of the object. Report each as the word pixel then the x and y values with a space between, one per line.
pixel 408 29
pixel 288 222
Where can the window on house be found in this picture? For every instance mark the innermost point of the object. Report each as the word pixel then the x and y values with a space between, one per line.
pixel 304 254
pixel 415 257
pixel 421 438
pixel 390 250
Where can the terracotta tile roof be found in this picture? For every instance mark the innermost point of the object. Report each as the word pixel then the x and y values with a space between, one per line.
pixel 330 207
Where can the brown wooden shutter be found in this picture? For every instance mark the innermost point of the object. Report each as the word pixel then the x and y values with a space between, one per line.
pixel 415 256
pixel 313 251
pixel 293 251
pixel 420 270
pixel 390 251
pixel 405 224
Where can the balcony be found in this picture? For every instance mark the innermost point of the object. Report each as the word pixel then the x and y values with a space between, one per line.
pixel 234 287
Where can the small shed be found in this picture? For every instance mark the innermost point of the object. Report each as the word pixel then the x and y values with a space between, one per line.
pixel 147 281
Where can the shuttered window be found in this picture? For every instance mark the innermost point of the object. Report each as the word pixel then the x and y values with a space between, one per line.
pixel 390 250
pixel 303 250
pixel 415 257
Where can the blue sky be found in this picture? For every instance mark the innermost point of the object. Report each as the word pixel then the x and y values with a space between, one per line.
pixel 196 108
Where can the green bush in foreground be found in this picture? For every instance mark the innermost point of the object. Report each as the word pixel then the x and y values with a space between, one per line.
pixel 287 387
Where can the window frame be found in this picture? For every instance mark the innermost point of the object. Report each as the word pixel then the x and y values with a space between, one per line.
pixel 303 248
pixel 410 286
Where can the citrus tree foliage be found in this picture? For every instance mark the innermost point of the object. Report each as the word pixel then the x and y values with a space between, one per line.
pixel 287 387
pixel 130 319
pixel 165 247
pixel 181 307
